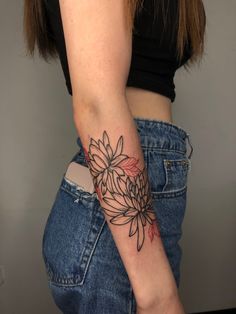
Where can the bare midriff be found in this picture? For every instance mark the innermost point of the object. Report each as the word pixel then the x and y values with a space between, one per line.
pixel 147 104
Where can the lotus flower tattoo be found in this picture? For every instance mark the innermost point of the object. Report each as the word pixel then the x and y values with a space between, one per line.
pixel 123 187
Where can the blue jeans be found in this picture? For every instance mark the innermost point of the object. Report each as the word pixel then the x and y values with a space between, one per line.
pixel 85 271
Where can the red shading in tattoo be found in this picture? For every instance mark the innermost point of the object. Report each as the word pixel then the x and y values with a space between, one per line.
pixel 86 154
pixel 98 193
pixel 153 230
pixel 129 165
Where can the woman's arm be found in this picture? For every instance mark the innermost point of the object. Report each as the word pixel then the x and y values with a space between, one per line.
pixel 99 54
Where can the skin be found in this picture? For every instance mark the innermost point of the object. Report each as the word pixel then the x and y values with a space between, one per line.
pixel 156 107
pixel 103 110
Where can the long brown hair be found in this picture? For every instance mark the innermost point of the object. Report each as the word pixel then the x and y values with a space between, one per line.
pixel 191 26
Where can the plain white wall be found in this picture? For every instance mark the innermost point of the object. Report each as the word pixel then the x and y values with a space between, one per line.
pixel 38 138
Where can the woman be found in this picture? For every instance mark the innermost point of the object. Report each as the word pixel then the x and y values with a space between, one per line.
pixel 115 249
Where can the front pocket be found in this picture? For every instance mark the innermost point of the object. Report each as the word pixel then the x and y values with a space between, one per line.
pixel 176 174
pixel 167 172
pixel 72 230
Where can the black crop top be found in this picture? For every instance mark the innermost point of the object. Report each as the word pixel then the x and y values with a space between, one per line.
pixel 153 61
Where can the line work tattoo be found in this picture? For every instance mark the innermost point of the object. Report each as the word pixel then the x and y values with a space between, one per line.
pixel 123 187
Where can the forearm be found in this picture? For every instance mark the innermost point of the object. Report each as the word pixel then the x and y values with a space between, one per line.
pixel 115 159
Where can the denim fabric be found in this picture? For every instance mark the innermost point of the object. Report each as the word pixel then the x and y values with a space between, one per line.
pixel 85 271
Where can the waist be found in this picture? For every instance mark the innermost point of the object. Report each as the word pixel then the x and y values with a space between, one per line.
pixel 161 135
pixel 146 104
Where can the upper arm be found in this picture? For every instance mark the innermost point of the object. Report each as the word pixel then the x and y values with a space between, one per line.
pixel 98 47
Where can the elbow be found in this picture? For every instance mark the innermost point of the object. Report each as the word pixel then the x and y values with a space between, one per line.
pixel 84 111
pixel 97 104
pixel 97 95
pixel 83 105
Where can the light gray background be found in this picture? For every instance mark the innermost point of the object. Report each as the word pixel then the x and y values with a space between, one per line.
pixel 37 139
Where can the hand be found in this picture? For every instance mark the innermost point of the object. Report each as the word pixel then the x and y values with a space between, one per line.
pixel 173 306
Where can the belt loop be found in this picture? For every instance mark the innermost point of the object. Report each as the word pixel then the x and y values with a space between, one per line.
pixel 188 137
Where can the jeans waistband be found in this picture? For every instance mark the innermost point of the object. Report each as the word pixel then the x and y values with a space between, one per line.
pixel 159 134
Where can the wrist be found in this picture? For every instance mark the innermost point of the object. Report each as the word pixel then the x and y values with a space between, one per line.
pixel 169 305
pixel 156 299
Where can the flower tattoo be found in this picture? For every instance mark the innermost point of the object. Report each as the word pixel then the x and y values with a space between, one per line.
pixel 123 187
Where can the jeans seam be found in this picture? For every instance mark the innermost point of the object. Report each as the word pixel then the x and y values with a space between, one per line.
pixel 131 301
pixel 163 149
pixel 190 144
